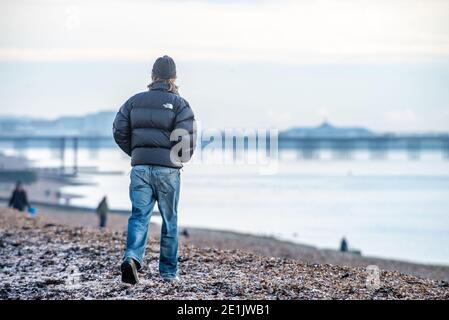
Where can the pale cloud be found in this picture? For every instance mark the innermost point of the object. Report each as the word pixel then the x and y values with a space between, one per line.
pixel 278 118
pixel 324 114
pixel 273 62
pixel 291 32
pixel 401 116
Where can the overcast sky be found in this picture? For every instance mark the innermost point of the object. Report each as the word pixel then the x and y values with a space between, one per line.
pixel 381 64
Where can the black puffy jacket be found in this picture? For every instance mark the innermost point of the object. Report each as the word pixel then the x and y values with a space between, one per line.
pixel 143 126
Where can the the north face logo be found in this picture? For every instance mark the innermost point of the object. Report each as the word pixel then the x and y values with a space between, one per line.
pixel 168 106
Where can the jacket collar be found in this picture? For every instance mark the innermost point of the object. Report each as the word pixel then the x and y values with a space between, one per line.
pixel 158 85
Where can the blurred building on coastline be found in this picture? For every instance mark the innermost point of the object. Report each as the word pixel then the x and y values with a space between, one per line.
pixel 96 124
pixel 327 130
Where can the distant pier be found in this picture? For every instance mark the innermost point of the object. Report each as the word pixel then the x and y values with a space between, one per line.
pixel 60 143
pixel 305 147
pixel 378 146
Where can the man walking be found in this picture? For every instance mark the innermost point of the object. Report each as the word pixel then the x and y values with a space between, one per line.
pixel 157 129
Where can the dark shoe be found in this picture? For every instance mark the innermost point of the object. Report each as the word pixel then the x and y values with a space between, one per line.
pixel 129 271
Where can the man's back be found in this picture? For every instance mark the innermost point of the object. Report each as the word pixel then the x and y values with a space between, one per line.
pixel 143 126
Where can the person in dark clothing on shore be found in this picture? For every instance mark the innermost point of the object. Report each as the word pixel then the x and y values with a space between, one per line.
pixel 102 212
pixel 19 199
pixel 344 245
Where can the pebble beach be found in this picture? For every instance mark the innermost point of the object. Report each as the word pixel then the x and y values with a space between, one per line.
pixel 44 259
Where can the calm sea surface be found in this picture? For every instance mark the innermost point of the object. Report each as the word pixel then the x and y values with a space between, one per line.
pixel 393 208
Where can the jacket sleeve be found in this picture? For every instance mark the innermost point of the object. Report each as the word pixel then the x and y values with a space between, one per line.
pixel 121 128
pixel 185 119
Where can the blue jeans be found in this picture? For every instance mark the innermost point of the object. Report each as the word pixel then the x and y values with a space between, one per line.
pixel 149 184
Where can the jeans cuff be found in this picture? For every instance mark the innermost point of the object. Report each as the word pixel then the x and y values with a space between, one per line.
pixel 137 260
pixel 168 275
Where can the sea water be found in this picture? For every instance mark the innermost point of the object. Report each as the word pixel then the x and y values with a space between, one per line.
pixel 396 207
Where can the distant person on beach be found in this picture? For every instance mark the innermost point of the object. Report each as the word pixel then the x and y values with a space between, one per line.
pixel 19 199
pixel 102 212
pixel 156 128
pixel 344 245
